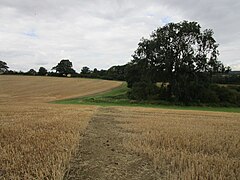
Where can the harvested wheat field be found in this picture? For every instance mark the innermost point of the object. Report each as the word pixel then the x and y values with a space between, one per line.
pixel 39 140
pixel 184 144
pixel 145 143
pixel 44 89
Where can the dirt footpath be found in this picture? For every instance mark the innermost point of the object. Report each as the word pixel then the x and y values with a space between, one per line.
pixel 101 156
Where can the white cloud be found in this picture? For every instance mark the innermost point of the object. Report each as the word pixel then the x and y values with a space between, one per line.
pixel 102 33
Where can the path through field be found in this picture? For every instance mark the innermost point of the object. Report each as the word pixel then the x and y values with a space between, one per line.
pixel 37 138
pixel 41 140
pixel 147 143
pixel 101 156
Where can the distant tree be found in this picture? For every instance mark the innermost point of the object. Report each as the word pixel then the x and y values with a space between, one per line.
pixel 95 71
pixel 117 72
pixel 31 72
pixel 179 55
pixel 64 67
pixel 227 69
pixel 3 67
pixel 85 70
pixel 42 71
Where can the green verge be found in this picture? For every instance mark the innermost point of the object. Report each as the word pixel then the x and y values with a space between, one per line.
pixel 118 97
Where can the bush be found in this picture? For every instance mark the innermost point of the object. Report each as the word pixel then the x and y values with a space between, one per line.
pixel 227 95
pixel 209 96
pixel 143 91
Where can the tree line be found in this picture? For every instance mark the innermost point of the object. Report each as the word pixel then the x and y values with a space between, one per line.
pixel 65 69
pixel 178 63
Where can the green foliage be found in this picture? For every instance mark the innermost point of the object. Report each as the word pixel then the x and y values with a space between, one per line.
pixel 113 73
pixel 31 72
pixel 85 70
pixel 177 54
pixel 64 67
pixel 3 67
pixel 42 71
pixel 118 97
pixel 227 94
pixel 143 91
pixel 133 75
pixel 116 73
pixel 226 78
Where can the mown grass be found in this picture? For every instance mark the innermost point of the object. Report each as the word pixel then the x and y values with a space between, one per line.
pixel 118 97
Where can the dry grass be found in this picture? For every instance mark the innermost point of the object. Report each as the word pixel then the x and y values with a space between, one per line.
pixel 37 141
pixel 44 89
pixel 37 138
pixel 185 144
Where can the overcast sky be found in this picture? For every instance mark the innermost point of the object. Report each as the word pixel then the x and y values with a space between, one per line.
pixel 103 33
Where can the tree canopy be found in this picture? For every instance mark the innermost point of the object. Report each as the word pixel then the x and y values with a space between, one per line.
pixel 85 70
pixel 31 72
pixel 180 56
pixel 3 66
pixel 42 71
pixel 64 67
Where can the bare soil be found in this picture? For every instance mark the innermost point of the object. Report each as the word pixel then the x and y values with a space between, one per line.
pixel 100 154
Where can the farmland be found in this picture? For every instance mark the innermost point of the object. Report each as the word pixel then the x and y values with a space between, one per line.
pixel 41 140
pixel 185 144
pixel 44 89
pixel 37 139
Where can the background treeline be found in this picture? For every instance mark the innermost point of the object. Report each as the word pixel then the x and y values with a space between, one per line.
pixel 223 89
pixel 113 73
pixel 177 64
pixel 233 77
pixel 118 73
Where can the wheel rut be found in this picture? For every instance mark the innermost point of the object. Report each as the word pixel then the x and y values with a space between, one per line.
pixel 100 154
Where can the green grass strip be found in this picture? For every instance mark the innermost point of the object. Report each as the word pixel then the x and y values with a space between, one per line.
pixel 118 97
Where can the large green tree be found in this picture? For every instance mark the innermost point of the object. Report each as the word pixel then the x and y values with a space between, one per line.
pixel 64 67
pixel 179 55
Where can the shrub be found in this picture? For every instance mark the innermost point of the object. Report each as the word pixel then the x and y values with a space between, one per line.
pixel 143 91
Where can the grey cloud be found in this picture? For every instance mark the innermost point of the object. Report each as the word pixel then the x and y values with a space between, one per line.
pixel 102 33
pixel 221 16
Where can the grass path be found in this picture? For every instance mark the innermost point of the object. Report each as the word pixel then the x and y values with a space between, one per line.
pixel 101 154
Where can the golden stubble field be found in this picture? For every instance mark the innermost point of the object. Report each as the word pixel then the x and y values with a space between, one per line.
pixel 36 89
pixel 37 139
pixel 184 144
